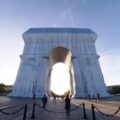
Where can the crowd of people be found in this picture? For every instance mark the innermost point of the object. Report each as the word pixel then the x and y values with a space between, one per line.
pixel 67 101
pixel 97 96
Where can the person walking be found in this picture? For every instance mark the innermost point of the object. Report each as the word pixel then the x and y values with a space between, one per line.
pixel 89 97
pixel 54 99
pixel 98 96
pixel 67 105
pixel 44 100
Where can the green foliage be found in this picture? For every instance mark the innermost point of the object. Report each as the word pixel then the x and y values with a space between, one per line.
pixel 115 89
pixel 4 88
pixel 52 93
pixel 66 93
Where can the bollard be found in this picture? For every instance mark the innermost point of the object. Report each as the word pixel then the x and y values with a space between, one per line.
pixel 93 112
pixel 25 112
pixel 84 112
pixel 33 111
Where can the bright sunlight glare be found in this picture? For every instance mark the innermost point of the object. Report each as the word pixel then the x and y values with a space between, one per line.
pixel 60 79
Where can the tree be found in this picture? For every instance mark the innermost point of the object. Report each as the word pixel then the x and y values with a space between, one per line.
pixel 115 89
pixel 66 93
pixel 4 88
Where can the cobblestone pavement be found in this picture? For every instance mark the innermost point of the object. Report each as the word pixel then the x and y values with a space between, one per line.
pixel 55 111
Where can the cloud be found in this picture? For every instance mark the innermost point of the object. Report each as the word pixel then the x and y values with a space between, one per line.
pixel 60 19
pixel 66 14
pixel 110 65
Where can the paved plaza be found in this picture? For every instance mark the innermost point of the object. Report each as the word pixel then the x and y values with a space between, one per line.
pixel 56 111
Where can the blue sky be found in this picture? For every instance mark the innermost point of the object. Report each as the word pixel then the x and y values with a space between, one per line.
pixel 102 16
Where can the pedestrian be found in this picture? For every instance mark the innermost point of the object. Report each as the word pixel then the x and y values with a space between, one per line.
pixel 93 97
pixel 44 100
pixel 62 97
pixel 98 96
pixel 67 105
pixel 54 99
pixel 89 96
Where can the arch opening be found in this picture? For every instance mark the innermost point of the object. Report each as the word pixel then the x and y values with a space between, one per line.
pixel 60 77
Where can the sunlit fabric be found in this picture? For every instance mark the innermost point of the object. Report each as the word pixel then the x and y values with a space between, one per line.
pixel 44 47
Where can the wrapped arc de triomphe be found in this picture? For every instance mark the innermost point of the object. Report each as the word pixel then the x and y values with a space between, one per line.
pixel 45 47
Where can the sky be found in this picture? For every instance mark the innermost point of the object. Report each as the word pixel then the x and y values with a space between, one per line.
pixel 102 16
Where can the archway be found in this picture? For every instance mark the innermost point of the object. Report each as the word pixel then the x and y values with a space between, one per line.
pixel 60 79
pixel 63 56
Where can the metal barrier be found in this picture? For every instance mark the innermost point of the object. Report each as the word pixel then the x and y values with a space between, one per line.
pixel 93 112
pixel 109 115
pixel 52 111
pixel 93 107
pixel 3 113
pixel 23 107
pixel 84 112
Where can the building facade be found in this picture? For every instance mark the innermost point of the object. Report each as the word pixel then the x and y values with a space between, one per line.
pixel 45 47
